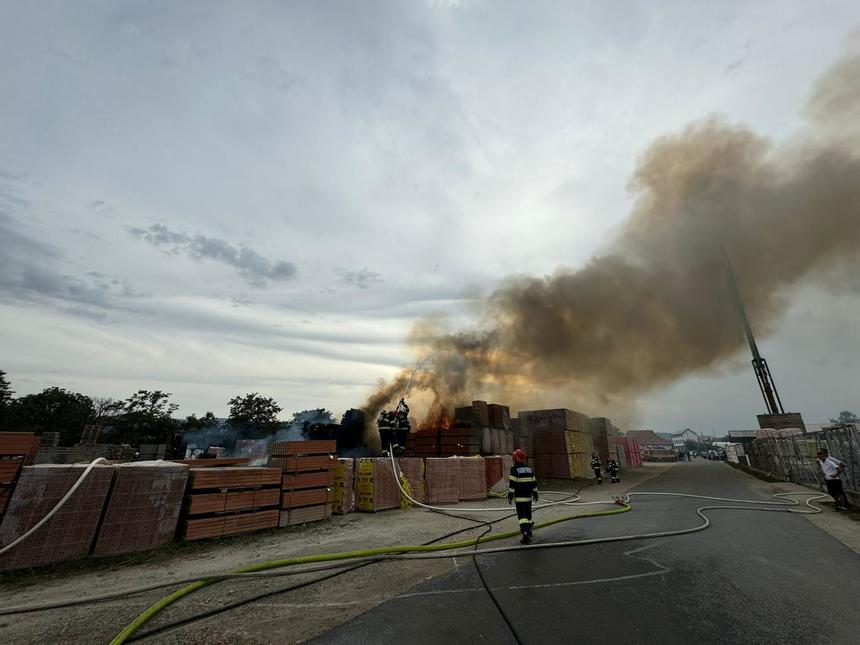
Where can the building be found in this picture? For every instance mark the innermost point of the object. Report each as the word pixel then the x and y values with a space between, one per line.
pixel 649 439
pixel 679 439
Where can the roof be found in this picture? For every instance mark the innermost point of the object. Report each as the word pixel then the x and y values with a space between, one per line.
pixel 742 434
pixel 647 438
pixel 685 431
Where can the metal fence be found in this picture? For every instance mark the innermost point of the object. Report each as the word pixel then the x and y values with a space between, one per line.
pixel 794 457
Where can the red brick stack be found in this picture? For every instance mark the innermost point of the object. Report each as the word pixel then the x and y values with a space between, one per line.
pixel 460 440
pixel 229 501
pixel 16 450
pixel 413 470
pixel 495 470
pixel 424 443
pixel 375 485
pixel 344 486
pixel 473 479
pixel 67 535
pixel 308 476
pixel 143 507
pixel 443 480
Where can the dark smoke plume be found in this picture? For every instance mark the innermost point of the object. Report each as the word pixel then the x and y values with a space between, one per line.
pixel 654 306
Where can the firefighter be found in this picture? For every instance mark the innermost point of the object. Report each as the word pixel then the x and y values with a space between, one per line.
pixel 595 466
pixel 522 489
pixel 386 430
pixel 612 468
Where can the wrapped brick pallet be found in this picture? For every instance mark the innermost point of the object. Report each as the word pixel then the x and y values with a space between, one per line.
pixel 413 470
pixel 375 485
pixel 473 478
pixel 344 480
pixel 143 508
pixel 70 532
pixel 443 480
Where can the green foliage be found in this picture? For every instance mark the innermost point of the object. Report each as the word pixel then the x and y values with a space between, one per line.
pixel 254 416
pixel 6 393
pixel 193 422
pixel 144 417
pixel 846 418
pixel 54 409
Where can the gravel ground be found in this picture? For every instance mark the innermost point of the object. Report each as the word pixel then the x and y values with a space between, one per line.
pixel 290 617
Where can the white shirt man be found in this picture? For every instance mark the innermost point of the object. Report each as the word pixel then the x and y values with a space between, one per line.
pixel 832 469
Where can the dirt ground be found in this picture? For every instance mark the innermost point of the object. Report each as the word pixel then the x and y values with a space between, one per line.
pixel 287 617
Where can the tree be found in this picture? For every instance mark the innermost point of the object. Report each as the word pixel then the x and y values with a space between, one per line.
pixel 145 417
pixel 192 422
pixel 254 416
pixel 846 418
pixel 54 409
pixel 6 393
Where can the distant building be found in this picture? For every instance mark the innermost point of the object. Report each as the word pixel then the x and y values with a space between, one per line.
pixel 648 439
pixel 680 438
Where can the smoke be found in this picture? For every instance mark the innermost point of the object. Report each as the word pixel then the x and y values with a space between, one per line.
pixel 654 307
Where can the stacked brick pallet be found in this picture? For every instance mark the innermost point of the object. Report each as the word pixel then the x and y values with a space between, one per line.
pixel 344 486
pixel 413 470
pixel 143 507
pixel 424 443
pixel 308 476
pixel 473 478
pixel 562 443
pixel 376 487
pixel 16 450
pixel 443 480
pixel 601 431
pixel 460 440
pixel 70 532
pixel 230 500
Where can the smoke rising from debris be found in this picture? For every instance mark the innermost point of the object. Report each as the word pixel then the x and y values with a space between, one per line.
pixel 654 306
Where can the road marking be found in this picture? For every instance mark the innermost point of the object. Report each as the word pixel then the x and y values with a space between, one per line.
pixel 661 570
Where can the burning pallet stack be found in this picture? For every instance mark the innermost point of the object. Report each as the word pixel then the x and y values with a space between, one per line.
pixel 423 443
pixel 230 500
pixel 16 450
pixel 69 533
pixel 460 440
pixel 143 508
pixel 562 442
pixel 308 469
pixel 491 424
pixel 376 486
pixel 344 486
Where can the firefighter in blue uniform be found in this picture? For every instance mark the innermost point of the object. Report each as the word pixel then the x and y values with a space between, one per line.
pixel 595 466
pixel 522 489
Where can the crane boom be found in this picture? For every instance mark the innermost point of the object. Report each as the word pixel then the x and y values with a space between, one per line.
pixel 762 371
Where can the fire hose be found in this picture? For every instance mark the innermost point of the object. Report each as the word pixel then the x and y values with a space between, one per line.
pixel 420 552
pixel 53 511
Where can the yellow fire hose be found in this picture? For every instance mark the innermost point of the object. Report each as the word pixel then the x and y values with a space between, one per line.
pixel 152 611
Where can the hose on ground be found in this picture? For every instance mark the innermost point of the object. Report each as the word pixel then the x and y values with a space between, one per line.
pixel 52 512
pixel 329 557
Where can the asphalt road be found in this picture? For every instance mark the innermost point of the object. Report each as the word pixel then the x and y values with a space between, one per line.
pixel 750 578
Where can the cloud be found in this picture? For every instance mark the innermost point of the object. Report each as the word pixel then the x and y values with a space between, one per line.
pixel 32 270
pixel 362 278
pixel 252 266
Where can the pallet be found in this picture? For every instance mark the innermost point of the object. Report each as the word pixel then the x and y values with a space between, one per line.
pixel 220 526
pixel 302 448
pixel 220 462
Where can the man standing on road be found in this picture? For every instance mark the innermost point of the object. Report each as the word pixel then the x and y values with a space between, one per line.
pixel 522 489
pixel 832 469
pixel 595 466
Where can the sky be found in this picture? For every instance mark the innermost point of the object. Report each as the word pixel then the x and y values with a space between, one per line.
pixel 215 198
